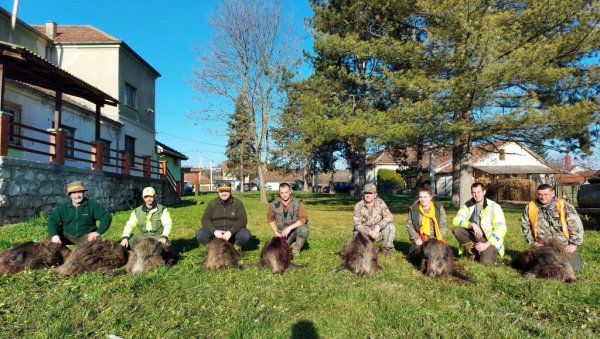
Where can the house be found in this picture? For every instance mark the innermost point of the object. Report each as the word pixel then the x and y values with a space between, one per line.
pixel 76 104
pixel 170 160
pixel 489 162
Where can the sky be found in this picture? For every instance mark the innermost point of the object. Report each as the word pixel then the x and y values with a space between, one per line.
pixel 166 35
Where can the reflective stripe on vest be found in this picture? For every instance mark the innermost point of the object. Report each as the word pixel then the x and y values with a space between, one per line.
pixel 533 215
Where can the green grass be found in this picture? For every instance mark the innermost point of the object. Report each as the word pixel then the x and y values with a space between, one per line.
pixel 186 300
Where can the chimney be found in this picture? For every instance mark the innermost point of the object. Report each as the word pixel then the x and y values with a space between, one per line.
pixel 568 162
pixel 51 29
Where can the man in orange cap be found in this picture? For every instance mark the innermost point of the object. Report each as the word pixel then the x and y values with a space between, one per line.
pixel 74 221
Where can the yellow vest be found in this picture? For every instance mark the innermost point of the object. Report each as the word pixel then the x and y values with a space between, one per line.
pixel 533 215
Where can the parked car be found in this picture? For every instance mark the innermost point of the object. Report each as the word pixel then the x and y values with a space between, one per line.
pixel 342 187
pixel 187 187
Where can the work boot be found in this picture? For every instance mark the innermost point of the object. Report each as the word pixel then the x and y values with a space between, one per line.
pixel 237 247
pixel 295 249
pixel 470 251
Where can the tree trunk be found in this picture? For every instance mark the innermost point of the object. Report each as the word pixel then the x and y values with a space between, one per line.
pixel 261 183
pixel 419 175
pixel 332 174
pixel 462 176
pixel 305 175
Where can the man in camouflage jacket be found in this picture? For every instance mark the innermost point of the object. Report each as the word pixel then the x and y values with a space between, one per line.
pixel 556 220
pixel 373 218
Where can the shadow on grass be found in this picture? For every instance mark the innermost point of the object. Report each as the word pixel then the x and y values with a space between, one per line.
pixel 183 245
pixel 304 329
pixel 252 244
pixel 401 246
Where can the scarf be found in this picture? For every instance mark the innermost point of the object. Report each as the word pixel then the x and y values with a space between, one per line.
pixel 427 219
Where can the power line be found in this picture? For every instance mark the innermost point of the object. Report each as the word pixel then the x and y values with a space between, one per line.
pixel 190 140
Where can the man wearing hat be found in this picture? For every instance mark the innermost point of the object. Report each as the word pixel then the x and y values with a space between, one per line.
pixel 74 221
pixel 373 218
pixel 151 220
pixel 225 218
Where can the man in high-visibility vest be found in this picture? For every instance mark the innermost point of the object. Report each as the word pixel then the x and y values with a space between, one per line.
pixel 548 218
pixel 480 227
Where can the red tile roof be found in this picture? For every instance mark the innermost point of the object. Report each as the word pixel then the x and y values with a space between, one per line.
pixel 79 33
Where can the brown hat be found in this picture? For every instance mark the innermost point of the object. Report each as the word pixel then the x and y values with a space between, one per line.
pixel 370 188
pixel 224 186
pixel 76 186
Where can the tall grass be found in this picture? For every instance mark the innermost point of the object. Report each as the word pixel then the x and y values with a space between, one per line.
pixel 186 300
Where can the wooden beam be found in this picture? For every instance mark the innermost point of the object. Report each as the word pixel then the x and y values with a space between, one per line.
pixel 98 106
pixel 57 110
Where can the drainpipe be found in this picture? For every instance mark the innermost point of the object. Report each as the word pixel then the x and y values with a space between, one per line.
pixel 13 21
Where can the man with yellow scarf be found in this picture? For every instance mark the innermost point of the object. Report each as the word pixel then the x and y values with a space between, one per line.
pixel 480 227
pixel 426 219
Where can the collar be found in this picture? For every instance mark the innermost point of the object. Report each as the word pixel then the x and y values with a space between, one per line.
pixel 147 209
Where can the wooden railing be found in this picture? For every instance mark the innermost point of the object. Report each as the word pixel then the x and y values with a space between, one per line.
pixel 53 143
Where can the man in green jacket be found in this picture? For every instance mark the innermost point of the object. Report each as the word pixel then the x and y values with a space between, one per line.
pixel 151 220
pixel 74 221
pixel 225 218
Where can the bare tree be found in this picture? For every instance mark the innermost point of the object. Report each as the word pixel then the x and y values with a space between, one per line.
pixel 249 57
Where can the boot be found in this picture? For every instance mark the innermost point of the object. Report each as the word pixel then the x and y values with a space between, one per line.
pixel 295 249
pixel 470 251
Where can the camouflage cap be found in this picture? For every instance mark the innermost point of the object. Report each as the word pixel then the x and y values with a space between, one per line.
pixel 370 188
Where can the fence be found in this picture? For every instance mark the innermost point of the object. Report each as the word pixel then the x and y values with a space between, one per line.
pixel 59 147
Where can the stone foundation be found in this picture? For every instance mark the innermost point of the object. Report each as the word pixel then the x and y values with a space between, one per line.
pixel 29 189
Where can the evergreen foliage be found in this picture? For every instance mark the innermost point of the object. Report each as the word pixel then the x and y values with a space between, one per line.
pixel 389 181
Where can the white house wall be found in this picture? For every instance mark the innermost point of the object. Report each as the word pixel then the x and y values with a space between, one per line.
pixel 98 65
pixel 515 155
pixel 23 36
pixel 133 72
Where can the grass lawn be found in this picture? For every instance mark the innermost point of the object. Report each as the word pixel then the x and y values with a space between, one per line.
pixel 187 300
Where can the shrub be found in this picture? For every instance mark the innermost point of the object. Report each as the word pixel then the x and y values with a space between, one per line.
pixel 511 189
pixel 389 181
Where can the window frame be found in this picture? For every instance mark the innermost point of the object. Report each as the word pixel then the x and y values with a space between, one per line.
pixel 130 96
pixel 16 111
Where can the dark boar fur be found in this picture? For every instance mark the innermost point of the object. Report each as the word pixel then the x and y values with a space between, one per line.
pixel 221 254
pixel 549 261
pixel 147 255
pixel 434 258
pixel 276 254
pixel 98 255
pixel 359 255
pixel 32 255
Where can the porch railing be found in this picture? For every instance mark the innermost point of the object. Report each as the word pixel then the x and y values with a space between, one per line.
pixel 58 147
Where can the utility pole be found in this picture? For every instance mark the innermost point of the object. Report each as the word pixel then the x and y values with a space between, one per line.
pixel 432 171
pixel 211 179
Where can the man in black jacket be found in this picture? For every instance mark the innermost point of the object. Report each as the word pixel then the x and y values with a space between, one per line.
pixel 225 218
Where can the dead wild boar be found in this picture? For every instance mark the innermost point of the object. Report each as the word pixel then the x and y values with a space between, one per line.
pixel 549 261
pixel 146 255
pixel 221 254
pixel 32 255
pixel 359 255
pixel 98 255
pixel 276 254
pixel 434 258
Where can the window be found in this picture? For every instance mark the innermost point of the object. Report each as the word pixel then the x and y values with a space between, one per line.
pixel 130 96
pixel 130 147
pixel 14 131
pixel 69 133
pixel 106 156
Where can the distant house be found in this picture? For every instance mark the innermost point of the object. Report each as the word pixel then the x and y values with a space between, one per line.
pixel 493 161
pixel 170 160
